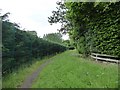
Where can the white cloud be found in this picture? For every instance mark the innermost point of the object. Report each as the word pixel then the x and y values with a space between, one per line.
pixel 31 14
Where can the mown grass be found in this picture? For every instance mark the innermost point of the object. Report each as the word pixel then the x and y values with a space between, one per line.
pixel 16 78
pixel 70 71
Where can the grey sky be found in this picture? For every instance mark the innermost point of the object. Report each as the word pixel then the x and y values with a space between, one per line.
pixel 31 14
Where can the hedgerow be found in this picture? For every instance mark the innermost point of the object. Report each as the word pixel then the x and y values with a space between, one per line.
pixel 20 47
pixel 92 26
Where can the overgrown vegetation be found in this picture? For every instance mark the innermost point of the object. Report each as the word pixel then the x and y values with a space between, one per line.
pixel 20 47
pixel 92 26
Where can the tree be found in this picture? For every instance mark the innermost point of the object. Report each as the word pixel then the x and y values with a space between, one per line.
pixel 4 16
pixel 58 16
pixel 53 37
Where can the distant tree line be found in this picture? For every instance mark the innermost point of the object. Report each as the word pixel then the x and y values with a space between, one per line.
pixel 53 37
pixel 20 47
pixel 57 38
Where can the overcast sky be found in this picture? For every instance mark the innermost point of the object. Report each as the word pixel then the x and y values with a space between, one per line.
pixel 31 14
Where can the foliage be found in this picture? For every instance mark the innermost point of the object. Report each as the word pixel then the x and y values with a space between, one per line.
pixel 53 37
pixel 68 44
pixel 20 47
pixel 59 16
pixel 96 22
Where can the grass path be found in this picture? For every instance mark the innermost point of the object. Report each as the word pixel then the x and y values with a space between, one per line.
pixel 70 71
pixel 29 80
pixel 16 79
pixel 67 70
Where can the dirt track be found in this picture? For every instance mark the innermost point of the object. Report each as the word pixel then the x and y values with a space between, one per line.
pixel 28 81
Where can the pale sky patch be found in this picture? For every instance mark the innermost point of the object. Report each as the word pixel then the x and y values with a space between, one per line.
pixel 32 14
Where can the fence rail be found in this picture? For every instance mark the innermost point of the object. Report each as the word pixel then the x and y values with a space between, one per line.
pixel 104 57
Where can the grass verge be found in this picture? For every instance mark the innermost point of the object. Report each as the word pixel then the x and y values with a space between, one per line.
pixel 16 78
pixel 70 71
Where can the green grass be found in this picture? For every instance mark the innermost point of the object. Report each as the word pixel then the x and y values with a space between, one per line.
pixel 16 78
pixel 0 82
pixel 70 71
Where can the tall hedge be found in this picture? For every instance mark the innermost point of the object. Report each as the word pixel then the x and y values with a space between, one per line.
pixel 20 47
pixel 93 26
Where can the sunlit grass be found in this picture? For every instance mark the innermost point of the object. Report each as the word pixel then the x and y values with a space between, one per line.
pixel 16 78
pixel 70 71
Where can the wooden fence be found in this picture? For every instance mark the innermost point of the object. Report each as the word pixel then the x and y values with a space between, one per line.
pixel 104 57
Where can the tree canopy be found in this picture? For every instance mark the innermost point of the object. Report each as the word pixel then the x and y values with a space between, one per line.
pixel 53 37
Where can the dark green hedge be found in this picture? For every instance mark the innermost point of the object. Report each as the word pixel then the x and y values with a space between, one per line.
pixel 19 47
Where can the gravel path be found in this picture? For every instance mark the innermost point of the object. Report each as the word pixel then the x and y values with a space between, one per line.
pixel 28 82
